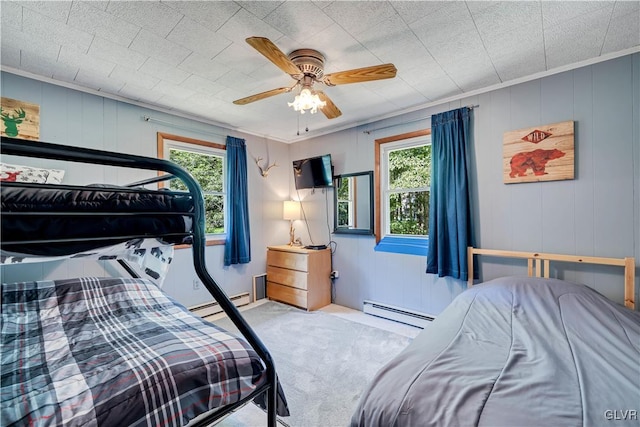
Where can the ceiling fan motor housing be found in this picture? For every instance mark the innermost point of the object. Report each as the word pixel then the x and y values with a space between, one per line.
pixel 310 62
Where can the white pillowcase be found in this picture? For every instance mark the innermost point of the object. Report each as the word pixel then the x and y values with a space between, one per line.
pixel 18 173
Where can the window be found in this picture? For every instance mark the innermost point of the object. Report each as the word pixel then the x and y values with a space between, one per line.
pixel 405 186
pixel 403 165
pixel 206 163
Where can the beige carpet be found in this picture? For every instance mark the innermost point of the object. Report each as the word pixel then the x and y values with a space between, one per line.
pixel 324 363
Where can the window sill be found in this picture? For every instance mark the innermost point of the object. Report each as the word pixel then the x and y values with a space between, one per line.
pixel 403 245
pixel 209 242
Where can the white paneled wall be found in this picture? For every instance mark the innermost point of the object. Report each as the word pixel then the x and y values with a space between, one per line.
pixel 597 213
pixel 70 117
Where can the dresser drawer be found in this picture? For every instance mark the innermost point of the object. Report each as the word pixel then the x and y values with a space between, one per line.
pixel 286 294
pixel 288 260
pixel 293 278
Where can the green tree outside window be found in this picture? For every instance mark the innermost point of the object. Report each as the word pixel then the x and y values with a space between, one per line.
pixel 408 190
pixel 207 169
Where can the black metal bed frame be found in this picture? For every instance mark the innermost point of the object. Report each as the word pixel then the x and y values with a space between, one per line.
pixel 19 147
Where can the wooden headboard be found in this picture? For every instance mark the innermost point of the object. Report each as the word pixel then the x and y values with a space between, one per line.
pixel 541 267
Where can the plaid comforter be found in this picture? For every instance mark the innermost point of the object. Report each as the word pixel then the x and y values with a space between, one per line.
pixel 116 352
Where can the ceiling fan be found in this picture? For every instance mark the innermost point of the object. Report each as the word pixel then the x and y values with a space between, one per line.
pixel 306 67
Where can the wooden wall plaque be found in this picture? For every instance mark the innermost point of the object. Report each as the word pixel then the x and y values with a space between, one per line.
pixel 20 119
pixel 540 153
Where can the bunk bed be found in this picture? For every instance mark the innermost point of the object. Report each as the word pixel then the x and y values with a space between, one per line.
pixel 117 351
pixel 517 351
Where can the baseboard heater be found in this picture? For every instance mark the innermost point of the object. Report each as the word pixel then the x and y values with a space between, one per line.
pixel 211 308
pixel 402 315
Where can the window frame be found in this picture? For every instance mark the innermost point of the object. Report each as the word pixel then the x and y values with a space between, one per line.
pixel 166 141
pixel 381 215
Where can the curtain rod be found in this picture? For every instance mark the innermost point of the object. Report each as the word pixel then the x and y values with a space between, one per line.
pixel 151 119
pixel 471 107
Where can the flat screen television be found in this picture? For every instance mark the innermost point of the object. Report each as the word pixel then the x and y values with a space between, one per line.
pixel 314 172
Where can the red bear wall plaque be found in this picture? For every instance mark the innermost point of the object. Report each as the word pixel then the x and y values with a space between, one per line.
pixel 540 153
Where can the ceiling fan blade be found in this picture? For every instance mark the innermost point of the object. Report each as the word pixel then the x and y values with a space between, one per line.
pixel 263 95
pixel 273 54
pixel 358 75
pixel 330 110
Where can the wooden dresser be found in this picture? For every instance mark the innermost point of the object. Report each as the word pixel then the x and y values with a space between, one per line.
pixel 299 276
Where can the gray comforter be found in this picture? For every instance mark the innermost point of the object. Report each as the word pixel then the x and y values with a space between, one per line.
pixel 515 352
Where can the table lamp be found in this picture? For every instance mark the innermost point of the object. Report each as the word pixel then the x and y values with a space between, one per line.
pixel 291 211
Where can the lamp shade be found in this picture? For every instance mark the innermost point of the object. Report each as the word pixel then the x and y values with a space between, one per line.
pixel 307 100
pixel 291 210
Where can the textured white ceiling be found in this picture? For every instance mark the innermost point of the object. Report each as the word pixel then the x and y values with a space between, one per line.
pixel 191 58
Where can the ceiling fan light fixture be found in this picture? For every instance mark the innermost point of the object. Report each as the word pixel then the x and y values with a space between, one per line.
pixel 307 100
pixel 306 67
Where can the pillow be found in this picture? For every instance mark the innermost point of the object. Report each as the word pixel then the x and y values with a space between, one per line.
pixel 18 173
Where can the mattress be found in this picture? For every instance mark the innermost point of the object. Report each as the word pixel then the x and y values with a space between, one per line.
pixel 114 352
pixel 89 217
pixel 514 352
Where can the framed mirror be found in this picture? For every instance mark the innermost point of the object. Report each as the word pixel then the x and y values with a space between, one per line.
pixel 353 203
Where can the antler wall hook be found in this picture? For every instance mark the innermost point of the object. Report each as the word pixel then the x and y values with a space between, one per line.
pixel 263 171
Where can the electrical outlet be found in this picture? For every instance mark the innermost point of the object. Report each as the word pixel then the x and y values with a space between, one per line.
pixel 196 284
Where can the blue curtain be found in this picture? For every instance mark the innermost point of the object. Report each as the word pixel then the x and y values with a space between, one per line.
pixel 450 225
pixel 237 248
